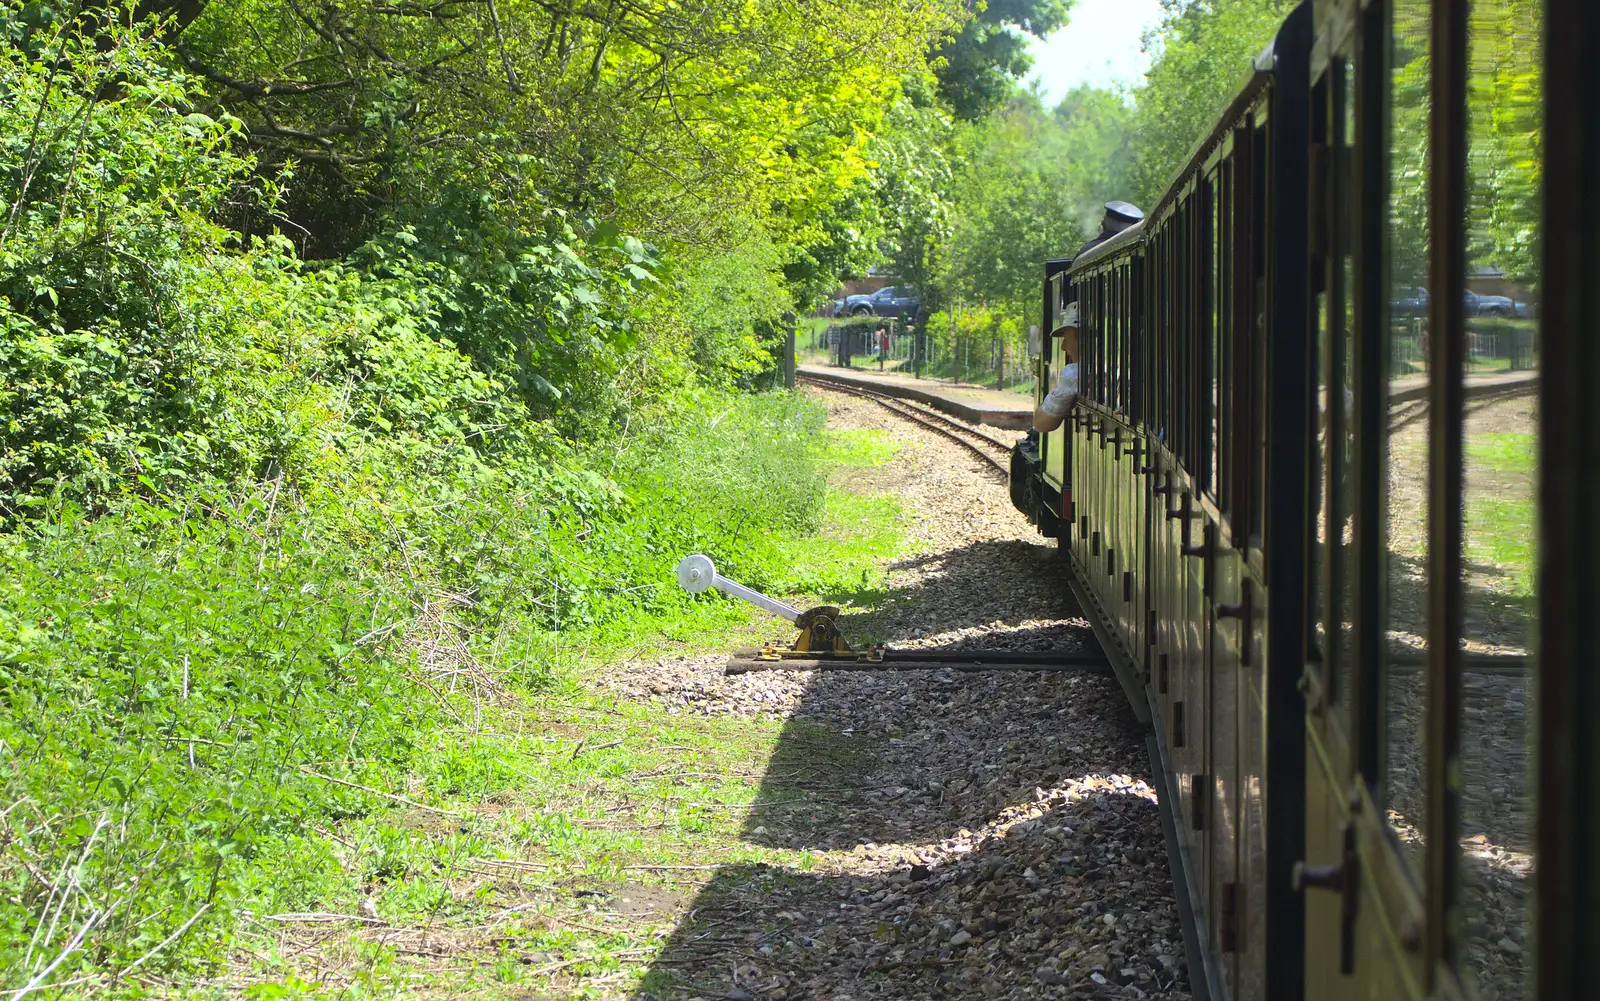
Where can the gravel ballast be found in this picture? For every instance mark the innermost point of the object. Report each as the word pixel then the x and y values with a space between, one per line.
pixel 965 835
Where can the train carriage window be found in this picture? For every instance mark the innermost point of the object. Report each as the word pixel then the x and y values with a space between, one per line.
pixel 1168 390
pixel 1113 340
pixel 1322 212
pixel 1085 339
pixel 1500 448
pixel 1227 353
pixel 1199 337
pixel 1092 334
pixel 1194 326
pixel 1140 342
pixel 1161 382
pixel 1124 344
pixel 1182 322
pixel 1217 317
pixel 1084 350
pixel 1125 312
pixel 1406 460
pixel 1206 337
pixel 1258 335
pixel 1343 487
pixel 1108 351
pixel 1243 405
pixel 1113 337
pixel 1089 333
pixel 1090 320
pixel 1179 303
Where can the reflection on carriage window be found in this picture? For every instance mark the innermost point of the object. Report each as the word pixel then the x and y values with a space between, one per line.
pixel 1501 446
pixel 1500 443
pixel 1341 394
pixel 1407 454
pixel 1317 558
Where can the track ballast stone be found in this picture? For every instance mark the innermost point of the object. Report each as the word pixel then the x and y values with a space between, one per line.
pixel 967 835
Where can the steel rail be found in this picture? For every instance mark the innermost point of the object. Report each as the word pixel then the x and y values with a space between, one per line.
pixel 919 416
pixel 926 411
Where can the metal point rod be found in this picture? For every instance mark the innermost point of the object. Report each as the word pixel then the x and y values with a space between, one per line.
pixel 697 572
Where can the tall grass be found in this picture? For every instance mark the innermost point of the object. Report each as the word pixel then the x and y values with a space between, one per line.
pixel 189 680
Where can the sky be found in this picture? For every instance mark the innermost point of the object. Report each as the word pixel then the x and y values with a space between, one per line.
pixel 1099 46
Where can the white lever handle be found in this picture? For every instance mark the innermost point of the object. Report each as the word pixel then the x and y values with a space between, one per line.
pixel 696 573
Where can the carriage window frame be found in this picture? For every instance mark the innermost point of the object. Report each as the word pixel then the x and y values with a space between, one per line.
pixel 1139 346
pixel 1203 340
pixel 1258 325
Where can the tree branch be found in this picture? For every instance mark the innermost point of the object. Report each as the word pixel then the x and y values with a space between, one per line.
pixel 258 88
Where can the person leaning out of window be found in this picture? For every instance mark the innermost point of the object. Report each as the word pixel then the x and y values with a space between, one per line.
pixel 1057 403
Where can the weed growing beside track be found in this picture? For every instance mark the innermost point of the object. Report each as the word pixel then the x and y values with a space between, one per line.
pixel 244 729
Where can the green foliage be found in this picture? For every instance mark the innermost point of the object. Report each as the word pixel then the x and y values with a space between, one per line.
pixel 255 509
pixel 1504 143
pixel 174 672
pixel 165 673
pixel 1501 516
pixel 1204 50
pixel 1032 189
pixel 546 308
pixel 728 307
pixel 979 67
pixel 865 447
pixel 689 126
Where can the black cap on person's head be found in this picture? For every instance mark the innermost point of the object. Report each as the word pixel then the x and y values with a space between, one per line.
pixel 1124 212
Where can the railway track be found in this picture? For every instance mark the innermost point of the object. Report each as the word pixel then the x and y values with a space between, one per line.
pixel 975 440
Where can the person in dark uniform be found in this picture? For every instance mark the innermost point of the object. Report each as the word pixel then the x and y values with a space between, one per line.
pixel 1119 216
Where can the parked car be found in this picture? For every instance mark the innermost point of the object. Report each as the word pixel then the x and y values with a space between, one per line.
pixel 1414 302
pixel 896 300
pixel 1495 305
pixel 1409 302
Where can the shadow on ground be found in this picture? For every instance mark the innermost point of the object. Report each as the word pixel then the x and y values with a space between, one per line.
pixel 960 835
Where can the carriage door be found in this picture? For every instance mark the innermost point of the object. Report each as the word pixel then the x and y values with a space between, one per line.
pixel 1424 436
pixel 1363 918
pixel 1053 445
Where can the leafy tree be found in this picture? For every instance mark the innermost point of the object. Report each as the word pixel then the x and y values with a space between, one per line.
pixel 1203 54
pixel 1505 139
pixel 1031 189
pixel 676 122
pixel 981 64
pixel 915 169
pixel 1505 135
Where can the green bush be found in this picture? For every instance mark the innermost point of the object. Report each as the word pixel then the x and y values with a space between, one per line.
pixel 165 676
pixel 171 671
pixel 244 496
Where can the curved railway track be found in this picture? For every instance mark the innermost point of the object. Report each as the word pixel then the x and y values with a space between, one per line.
pixel 979 442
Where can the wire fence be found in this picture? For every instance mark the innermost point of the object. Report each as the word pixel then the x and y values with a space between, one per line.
pixel 890 345
pixel 1502 347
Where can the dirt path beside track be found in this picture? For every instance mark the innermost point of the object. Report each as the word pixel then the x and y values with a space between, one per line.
pixel 990 835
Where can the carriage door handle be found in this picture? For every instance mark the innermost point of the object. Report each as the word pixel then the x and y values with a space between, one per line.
pixel 1342 877
pixel 1243 612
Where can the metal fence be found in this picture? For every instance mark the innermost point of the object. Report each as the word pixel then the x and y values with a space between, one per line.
pixel 1506 349
pixel 987 361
